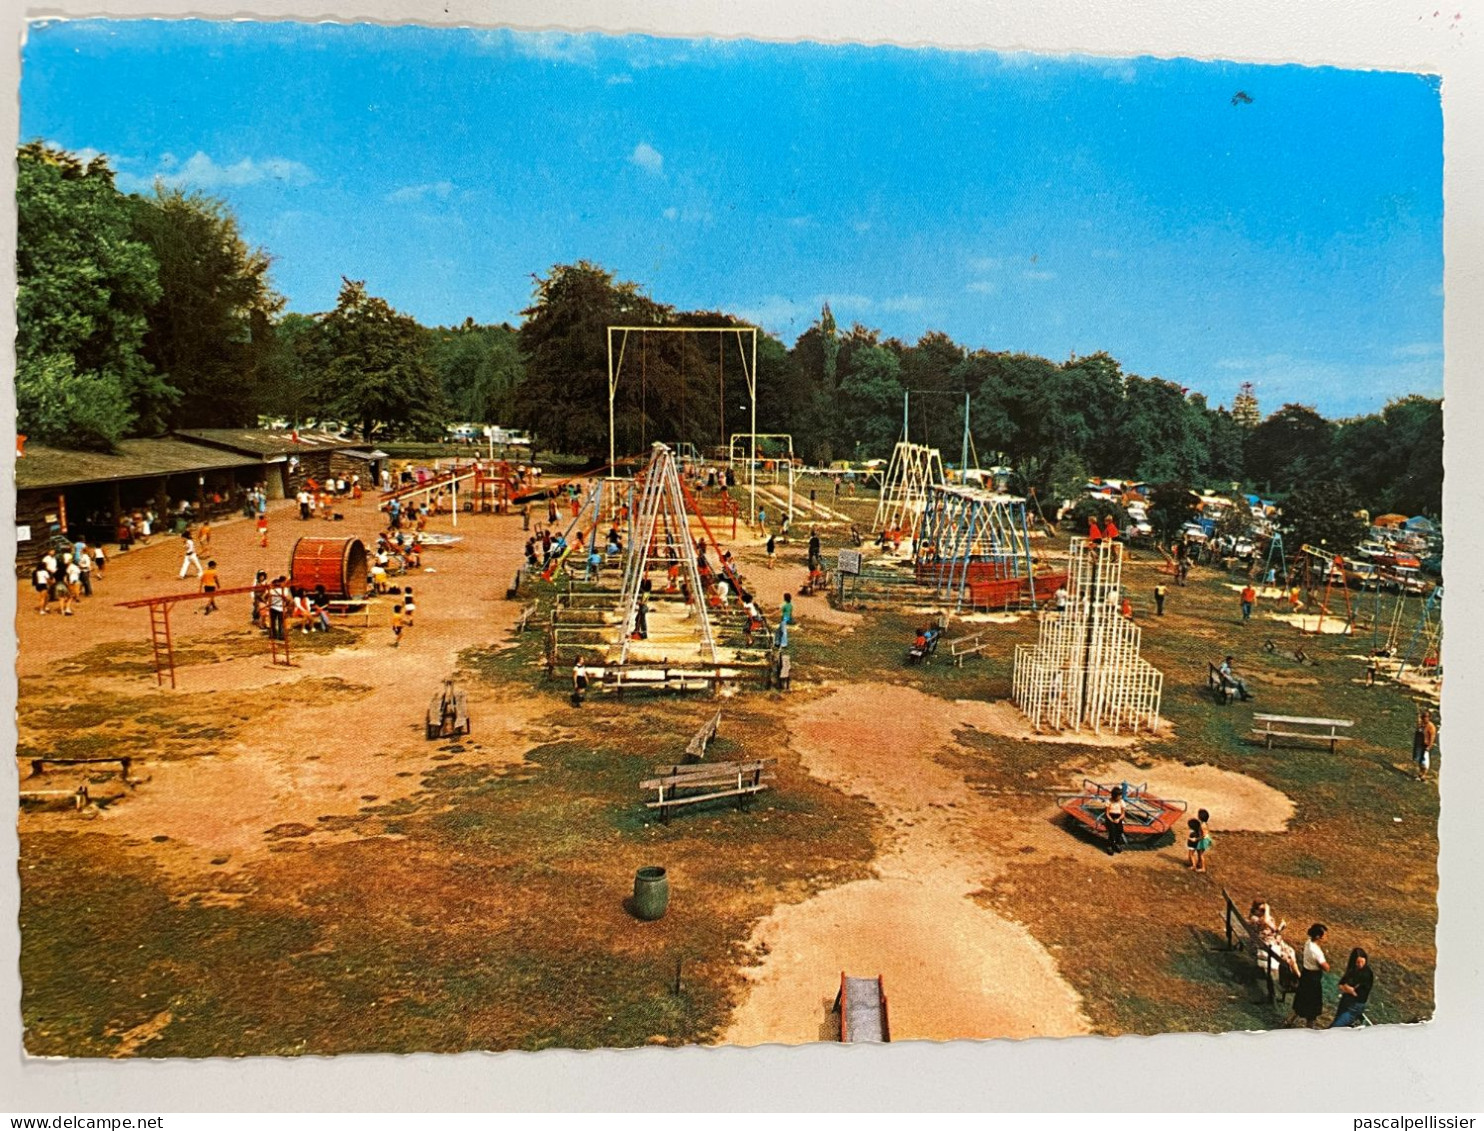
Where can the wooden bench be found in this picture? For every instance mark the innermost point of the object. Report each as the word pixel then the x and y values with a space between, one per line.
pixel 79 795
pixel 1259 949
pixel 38 765
pixel 970 645
pixel 1222 689
pixel 690 784
pixel 619 680
pixel 351 607
pixel 1282 726
pixel 525 616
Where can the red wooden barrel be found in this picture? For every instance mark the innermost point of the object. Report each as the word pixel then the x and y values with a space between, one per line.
pixel 339 564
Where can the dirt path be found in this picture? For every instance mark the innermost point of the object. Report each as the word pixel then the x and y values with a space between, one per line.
pixel 298 765
pixel 952 968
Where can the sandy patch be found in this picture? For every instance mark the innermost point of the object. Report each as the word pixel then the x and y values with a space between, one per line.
pixel 952 968
pixel 1330 623
pixel 1236 802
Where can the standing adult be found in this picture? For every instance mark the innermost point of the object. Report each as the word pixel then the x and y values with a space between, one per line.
pixel 814 547
pixel 1160 593
pixel 1422 742
pixel 1308 999
pixel 189 557
pixel 772 549
pixel 84 561
pixel 579 682
pixel 1249 598
pixel 1355 991
pixel 278 603
pixel 1113 818
pixel 786 614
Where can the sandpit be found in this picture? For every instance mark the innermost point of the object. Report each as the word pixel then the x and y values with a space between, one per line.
pixel 1237 803
pixel 1332 624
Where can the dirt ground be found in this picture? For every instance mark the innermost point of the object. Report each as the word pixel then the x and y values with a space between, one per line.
pixel 471 890
pixel 950 967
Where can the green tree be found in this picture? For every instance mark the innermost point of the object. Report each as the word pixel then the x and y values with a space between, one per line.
pixel 208 329
pixel 1161 435
pixel 479 369
pixel 1171 505
pixel 930 372
pixel 291 369
pixel 1292 446
pixel 564 345
pixel 84 285
pixel 1324 513
pixel 61 406
pixel 374 371
pixel 870 394
pixel 1394 459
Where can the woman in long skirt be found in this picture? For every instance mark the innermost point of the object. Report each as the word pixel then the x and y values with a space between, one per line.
pixel 1308 999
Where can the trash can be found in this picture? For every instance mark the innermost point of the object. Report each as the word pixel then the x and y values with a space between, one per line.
pixel 651 893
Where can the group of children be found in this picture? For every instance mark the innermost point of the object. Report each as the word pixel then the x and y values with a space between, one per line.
pixel 69 578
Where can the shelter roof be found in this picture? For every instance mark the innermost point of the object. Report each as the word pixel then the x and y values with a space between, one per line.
pixel 42 466
pixel 265 442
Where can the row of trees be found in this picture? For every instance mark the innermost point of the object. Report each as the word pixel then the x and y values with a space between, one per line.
pixel 142 313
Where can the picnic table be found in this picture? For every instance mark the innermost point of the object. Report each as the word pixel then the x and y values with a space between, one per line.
pixel 1269 727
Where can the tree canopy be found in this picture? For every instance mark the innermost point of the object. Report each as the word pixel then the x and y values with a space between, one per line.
pixel 142 312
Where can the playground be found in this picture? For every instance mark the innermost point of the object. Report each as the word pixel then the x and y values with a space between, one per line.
pixel 297 860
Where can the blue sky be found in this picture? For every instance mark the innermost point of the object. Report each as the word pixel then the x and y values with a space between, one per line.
pixel 1016 202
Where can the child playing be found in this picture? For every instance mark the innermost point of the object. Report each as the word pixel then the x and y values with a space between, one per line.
pixel 408 607
pixel 398 622
pixel 209 584
pixel 203 535
pixel 1198 840
pixel 262 530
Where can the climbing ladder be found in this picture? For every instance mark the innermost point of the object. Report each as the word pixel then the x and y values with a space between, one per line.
pixel 159 638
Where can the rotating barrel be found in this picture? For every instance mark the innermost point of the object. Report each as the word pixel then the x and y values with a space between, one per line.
pixel 339 564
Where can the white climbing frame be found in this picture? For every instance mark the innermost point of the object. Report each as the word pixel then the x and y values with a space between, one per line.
pixel 1085 669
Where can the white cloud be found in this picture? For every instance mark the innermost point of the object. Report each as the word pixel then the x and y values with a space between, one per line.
pixel 861 227
pixel 412 193
pixel 903 304
pixel 1106 253
pixel 201 172
pixel 1038 276
pixel 800 221
pixel 648 158
pixel 620 80
pixel 984 264
pixel 983 287
pixel 1419 349
pixel 553 46
pixel 672 213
